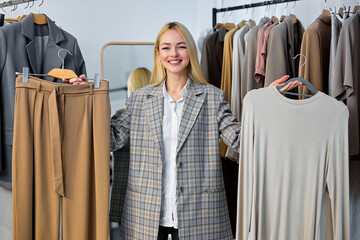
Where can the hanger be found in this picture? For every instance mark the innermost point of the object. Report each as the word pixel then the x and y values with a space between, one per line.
pixel 40 19
pixel 218 25
pixel 283 16
pixel 304 82
pixel 11 19
pixel 229 26
pixel 356 8
pixel 59 73
pixel 274 19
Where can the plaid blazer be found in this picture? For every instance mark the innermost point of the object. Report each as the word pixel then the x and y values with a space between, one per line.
pixel 120 177
pixel 202 207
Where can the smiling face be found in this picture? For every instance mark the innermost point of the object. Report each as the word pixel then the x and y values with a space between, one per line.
pixel 173 53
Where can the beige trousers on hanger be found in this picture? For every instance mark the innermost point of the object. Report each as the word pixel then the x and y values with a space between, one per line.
pixel 61 150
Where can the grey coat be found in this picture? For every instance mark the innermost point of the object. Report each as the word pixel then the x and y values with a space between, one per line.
pixel 17 50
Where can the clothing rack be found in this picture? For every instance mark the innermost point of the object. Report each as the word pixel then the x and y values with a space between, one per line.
pixel 245 6
pixel 14 2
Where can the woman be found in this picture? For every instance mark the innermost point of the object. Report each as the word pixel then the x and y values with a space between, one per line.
pixel 175 182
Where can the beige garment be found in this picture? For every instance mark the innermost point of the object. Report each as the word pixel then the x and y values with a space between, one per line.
pixel 316 48
pixel 247 76
pixel 226 74
pixel 284 44
pixel 238 62
pixel 288 160
pixel 61 149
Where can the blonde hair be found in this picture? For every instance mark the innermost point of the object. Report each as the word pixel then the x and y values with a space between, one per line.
pixel 139 78
pixel 193 69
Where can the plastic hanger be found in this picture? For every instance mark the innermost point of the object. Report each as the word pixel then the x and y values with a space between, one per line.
pixel 304 82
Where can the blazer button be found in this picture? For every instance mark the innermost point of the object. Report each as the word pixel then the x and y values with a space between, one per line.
pixel 179 164
pixel 180 189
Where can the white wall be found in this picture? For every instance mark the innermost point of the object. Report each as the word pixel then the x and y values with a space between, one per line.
pixel 95 22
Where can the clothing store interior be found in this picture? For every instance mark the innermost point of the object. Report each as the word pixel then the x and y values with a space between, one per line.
pixel 295 175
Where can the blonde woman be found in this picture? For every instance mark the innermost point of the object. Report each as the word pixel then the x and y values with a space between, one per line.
pixel 138 78
pixel 175 184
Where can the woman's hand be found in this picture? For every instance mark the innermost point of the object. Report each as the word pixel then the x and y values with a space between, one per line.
pixel 76 81
pixel 289 86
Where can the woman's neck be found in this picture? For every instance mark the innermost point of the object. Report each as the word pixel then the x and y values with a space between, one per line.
pixel 174 85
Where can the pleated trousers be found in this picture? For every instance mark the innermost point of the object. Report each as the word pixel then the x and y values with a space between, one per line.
pixel 61 153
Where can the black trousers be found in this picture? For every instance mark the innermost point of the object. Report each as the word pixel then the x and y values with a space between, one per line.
pixel 165 231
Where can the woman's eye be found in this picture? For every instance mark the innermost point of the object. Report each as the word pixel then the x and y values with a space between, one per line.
pixel 183 47
pixel 165 48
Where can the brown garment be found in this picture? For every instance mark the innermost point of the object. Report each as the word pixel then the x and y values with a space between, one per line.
pixel 61 149
pixel 227 64
pixel 316 48
pixel 212 57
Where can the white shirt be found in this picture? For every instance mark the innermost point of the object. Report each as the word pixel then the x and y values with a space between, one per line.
pixel 170 127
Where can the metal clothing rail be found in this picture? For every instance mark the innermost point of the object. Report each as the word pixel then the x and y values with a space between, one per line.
pixel 14 2
pixel 250 5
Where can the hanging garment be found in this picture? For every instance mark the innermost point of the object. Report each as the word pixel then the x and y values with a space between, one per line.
pixel 347 76
pixel 61 149
pixel 288 160
pixel 259 58
pixel 25 44
pixel 201 201
pixel 316 48
pixel 247 74
pixel 335 32
pixel 238 62
pixel 120 177
pixel 284 44
pixel 200 42
pixel 212 56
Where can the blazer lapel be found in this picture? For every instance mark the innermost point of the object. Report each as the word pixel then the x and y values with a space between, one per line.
pixel 51 56
pixel 28 31
pixel 154 106
pixel 193 103
pixel 52 59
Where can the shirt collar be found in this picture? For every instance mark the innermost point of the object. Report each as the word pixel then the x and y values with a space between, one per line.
pixel 183 92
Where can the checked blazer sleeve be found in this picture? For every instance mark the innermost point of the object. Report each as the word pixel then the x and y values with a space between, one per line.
pixel 119 132
pixel 229 127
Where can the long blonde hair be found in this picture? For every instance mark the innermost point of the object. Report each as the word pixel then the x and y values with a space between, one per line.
pixel 193 69
pixel 139 78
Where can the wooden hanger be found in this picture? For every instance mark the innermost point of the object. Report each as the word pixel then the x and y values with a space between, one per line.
pixel 326 12
pixel 229 26
pixel 274 19
pixel 293 18
pixel 356 8
pixel 218 25
pixel 304 82
pixel 241 24
pixel 40 19
pixel 253 23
